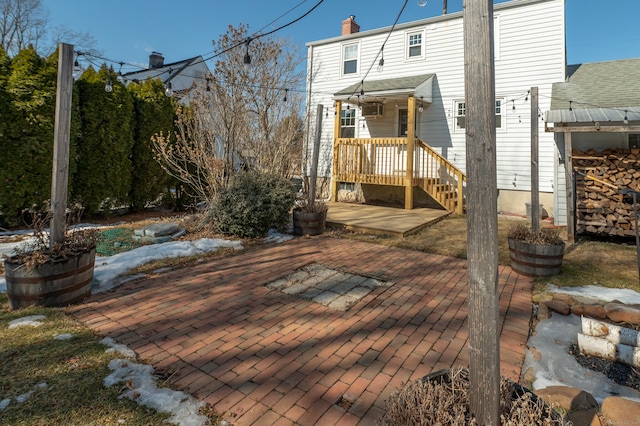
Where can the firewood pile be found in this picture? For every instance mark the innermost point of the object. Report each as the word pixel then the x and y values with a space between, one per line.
pixel 600 208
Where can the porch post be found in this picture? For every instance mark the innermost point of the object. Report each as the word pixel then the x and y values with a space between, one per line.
pixel 411 134
pixel 336 135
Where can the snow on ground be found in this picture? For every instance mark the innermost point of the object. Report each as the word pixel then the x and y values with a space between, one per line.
pixel 108 269
pixel 548 349
pixel 141 384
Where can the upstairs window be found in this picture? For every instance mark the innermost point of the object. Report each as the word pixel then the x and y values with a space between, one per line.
pixel 461 109
pixel 415 45
pixel 350 59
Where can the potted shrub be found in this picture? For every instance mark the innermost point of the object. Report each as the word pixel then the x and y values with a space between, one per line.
pixel 39 273
pixel 309 218
pixel 535 254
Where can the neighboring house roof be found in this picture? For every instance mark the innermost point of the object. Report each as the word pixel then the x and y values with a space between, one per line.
pixel 599 91
pixel 166 73
pixel 418 85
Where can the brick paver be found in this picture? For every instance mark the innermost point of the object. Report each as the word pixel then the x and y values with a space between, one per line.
pixel 263 357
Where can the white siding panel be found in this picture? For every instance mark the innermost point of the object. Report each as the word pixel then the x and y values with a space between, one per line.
pixel 532 53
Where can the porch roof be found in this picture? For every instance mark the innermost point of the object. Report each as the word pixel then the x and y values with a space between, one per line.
pixel 421 86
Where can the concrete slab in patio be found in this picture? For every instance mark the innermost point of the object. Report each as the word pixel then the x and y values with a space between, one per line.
pixel 264 357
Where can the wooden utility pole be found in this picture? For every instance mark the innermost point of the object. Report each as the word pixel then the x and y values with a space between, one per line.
pixel 482 212
pixel 60 175
pixel 316 154
pixel 535 177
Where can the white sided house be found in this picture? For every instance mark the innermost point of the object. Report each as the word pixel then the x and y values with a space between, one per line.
pixel 178 77
pixel 394 123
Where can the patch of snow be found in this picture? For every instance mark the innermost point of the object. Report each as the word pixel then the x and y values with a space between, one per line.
pixel 274 236
pixel 65 336
pixel 548 355
pixel 22 398
pixel 108 268
pixel 143 389
pixel 31 320
pixel 624 295
pixel 116 347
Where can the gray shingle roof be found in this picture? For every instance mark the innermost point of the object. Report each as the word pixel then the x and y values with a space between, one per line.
pixel 395 85
pixel 614 84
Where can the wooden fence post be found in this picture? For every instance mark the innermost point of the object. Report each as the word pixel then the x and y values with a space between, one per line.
pixel 482 212
pixel 60 174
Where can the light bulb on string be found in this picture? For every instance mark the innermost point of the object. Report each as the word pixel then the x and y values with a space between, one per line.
pixel 108 87
pixel 247 57
pixel 626 118
pixel 168 91
pixel 285 95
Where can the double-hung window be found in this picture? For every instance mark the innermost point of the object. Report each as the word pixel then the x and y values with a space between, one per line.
pixel 348 123
pixel 350 59
pixel 415 45
pixel 461 109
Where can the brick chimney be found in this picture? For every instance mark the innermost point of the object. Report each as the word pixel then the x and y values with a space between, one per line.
pixel 349 26
pixel 156 60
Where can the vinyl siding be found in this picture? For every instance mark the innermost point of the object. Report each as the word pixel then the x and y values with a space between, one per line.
pixel 531 53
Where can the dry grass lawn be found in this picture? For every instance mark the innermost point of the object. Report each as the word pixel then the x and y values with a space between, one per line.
pixel 600 263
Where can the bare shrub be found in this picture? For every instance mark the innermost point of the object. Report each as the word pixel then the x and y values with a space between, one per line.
pixel 446 402
pixel 543 236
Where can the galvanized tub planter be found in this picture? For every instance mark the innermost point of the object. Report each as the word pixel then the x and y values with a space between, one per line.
pixel 309 223
pixel 534 259
pixel 56 283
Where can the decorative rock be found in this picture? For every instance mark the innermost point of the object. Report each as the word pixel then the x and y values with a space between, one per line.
pixel 541 297
pixel 620 411
pixel 158 230
pixel 543 311
pixel 560 307
pixel 561 297
pixel 618 312
pixel 586 417
pixel 571 399
pixel 592 311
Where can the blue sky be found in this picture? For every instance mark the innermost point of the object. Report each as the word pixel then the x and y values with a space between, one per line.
pixel 127 31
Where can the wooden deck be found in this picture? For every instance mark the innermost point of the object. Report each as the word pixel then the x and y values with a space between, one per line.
pixel 378 220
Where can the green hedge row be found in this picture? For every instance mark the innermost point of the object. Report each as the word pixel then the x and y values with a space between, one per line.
pixel 111 160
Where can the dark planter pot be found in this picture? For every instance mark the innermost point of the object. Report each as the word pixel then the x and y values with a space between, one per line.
pixel 305 223
pixel 58 283
pixel 535 260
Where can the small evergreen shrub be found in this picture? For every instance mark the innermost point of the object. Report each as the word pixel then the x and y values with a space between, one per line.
pixel 252 203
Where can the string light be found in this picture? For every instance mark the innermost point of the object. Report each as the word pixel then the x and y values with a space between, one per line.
pixel 168 91
pixel 247 57
pixel 285 95
pixel 626 119
pixel 108 87
pixel 570 108
pixel 381 63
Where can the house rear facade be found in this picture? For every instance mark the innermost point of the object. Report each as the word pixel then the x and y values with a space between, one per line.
pixel 393 125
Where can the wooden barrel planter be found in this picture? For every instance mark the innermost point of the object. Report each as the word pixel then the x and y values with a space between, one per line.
pixel 58 283
pixel 535 260
pixel 309 223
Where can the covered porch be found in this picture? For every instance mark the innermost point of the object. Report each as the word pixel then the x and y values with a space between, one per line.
pixel 389 157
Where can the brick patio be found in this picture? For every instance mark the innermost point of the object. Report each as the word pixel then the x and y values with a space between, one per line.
pixel 262 357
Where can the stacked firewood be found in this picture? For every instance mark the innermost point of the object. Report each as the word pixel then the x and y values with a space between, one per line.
pixel 600 207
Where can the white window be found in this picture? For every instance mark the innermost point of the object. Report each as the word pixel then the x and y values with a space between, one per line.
pixel 348 123
pixel 461 109
pixel 414 45
pixel 350 59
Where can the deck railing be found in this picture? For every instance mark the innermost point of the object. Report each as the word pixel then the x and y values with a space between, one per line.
pixel 383 161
